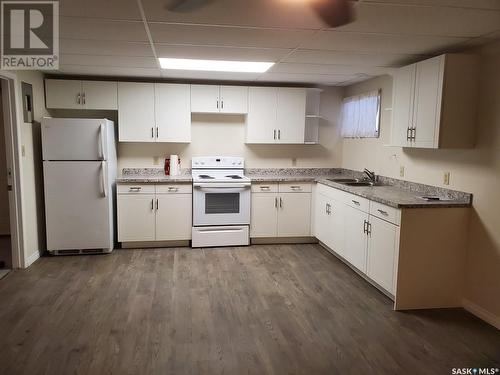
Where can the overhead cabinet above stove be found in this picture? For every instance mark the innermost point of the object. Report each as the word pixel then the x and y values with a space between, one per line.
pixel 219 99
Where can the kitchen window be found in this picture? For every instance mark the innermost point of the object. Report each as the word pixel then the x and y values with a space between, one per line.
pixel 360 116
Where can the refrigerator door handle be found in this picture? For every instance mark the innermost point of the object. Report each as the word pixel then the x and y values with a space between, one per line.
pixel 102 145
pixel 104 178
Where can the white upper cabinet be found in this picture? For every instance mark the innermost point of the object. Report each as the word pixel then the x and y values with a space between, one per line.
pixel 172 113
pixel 205 99
pixel 136 112
pixel 262 111
pixel 291 115
pixel 219 99
pixel 435 103
pixel 74 94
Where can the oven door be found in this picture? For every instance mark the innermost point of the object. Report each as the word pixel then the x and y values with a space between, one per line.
pixel 221 204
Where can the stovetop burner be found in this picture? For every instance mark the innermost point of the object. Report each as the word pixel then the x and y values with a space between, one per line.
pixel 234 177
pixel 206 177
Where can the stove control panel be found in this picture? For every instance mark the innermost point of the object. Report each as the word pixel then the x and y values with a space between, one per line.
pixel 216 162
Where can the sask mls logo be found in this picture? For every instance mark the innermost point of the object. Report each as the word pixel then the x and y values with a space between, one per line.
pixel 30 35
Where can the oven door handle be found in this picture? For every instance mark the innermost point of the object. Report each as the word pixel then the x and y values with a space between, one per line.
pixel 222 185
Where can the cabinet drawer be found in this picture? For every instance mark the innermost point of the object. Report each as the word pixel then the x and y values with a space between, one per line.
pixel 355 201
pixel 135 188
pixel 294 187
pixel 174 189
pixel 265 187
pixel 390 214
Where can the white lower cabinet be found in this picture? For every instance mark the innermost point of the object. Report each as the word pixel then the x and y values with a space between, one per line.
pixel 136 217
pixel 154 213
pixel 365 235
pixel 383 244
pixel 281 210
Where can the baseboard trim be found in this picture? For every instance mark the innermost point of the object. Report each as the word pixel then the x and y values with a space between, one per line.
pixel 481 313
pixel 31 259
pixel 155 244
pixel 281 240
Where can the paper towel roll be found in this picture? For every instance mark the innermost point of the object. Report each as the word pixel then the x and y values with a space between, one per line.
pixel 174 165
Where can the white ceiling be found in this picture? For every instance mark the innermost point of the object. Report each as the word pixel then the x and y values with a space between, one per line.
pixel 125 37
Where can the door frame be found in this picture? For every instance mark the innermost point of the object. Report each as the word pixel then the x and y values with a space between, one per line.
pixel 12 107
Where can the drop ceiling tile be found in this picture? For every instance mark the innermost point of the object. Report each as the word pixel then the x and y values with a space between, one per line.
pixel 324 79
pixel 379 43
pixel 263 13
pixel 100 29
pixel 227 36
pixel 200 75
pixel 220 53
pixel 348 70
pixel 105 47
pixel 114 9
pixel 350 58
pixel 115 61
pixel 422 20
pixel 109 71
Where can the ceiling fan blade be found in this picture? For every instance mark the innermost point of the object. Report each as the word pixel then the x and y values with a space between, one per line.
pixel 334 13
pixel 185 6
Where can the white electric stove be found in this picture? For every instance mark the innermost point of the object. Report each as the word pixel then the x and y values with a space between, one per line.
pixel 221 202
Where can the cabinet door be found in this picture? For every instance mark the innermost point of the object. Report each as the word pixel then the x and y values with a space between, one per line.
pixel 234 99
pixel 355 238
pixel 336 227
pixel 100 95
pixel 173 112
pixel 261 119
pixel 321 218
pixel 291 115
pixel 136 112
pixel 63 93
pixel 402 105
pixel 205 99
pixel 264 215
pixel 427 109
pixel 383 244
pixel 294 215
pixel 173 217
pixel 136 217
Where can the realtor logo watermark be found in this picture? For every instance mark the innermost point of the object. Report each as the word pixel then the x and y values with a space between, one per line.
pixel 30 35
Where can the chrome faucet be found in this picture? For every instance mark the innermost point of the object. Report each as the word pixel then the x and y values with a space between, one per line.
pixel 371 176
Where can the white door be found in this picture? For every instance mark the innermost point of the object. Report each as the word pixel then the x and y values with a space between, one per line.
pixel 336 230
pixel 63 93
pixel 136 112
pixel 76 208
pixel 100 95
pixel 173 217
pixel 264 215
pixel 428 93
pixel 173 112
pixel 205 99
pixel 291 115
pixel 355 238
pixel 383 244
pixel 74 139
pixel 294 215
pixel 136 217
pixel 261 118
pixel 234 99
pixel 322 218
pixel 402 105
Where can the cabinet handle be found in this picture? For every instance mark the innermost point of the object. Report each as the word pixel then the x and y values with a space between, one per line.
pixel 222 104
pixel 383 212
pixel 274 134
pixel 266 188
pixel 365 227
pixel 217 104
pixel 279 134
pixel 83 98
pixel 326 208
pixel 296 187
pixel 152 205
pixel 78 98
pixel 135 188
pixel 368 228
pixel 413 134
pixel 276 202
pixel 152 132
pixel 281 202
pixel 157 131
pixel 157 204
pixel 355 202
pixel 171 188
pixel 408 134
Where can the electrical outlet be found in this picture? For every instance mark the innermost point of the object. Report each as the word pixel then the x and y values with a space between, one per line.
pixel 294 162
pixel 156 160
pixel 402 171
pixel 446 178
pixel 23 150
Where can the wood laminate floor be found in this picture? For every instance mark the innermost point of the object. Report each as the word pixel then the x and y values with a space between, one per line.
pixel 289 309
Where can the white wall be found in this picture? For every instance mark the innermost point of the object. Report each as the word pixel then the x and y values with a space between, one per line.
pixel 476 171
pixel 225 135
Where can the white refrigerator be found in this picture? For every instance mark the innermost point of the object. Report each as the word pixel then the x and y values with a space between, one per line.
pixel 79 170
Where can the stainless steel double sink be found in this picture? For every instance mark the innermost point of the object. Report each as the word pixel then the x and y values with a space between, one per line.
pixel 354 182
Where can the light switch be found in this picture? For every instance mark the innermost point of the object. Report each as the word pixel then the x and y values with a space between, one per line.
pixel 446 178
pixel 401 171
pixel 23 150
